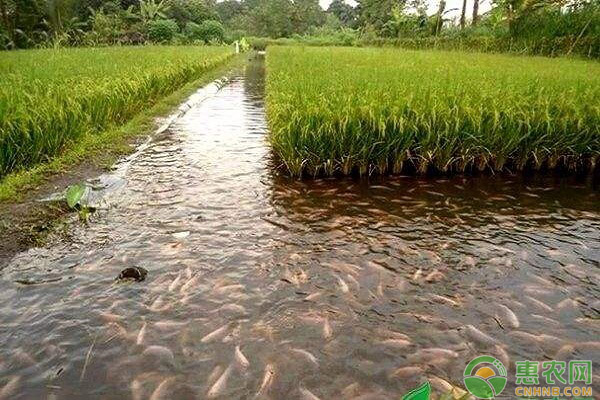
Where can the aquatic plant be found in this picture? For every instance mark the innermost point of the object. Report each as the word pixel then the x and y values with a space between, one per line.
pixel 365 110
pixel 51 98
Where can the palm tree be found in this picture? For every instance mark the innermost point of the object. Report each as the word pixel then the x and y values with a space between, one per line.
pixel 475 12
pixel 463 15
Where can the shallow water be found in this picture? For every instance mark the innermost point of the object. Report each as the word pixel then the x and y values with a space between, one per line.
pixel 327 286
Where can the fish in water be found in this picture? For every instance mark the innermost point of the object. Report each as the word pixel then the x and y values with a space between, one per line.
pixel 478 336
pixel 162 390
pixel 312 296
pixel 175 283
pixel 507 317
pixel 407 373
pixel 11 388
pixel 216 334
pixel 306 394
pixel 219 386
pixel 327 331
pixel 343 285
pixel 141 334
pixel 306 355
pixel 241 358
pixel 267 380
pixel 159 353
pixel 193 281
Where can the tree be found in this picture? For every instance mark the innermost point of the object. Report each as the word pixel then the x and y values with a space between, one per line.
pixel 475 12
pixel 377 13
pixel 306 14
pixel 343 11
pixel 463 15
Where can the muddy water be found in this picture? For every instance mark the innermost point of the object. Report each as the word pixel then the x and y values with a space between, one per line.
pixel 263 287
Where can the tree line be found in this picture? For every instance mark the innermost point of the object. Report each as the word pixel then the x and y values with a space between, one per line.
pixel 42 23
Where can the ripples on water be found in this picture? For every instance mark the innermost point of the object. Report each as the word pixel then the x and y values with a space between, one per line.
pixel 342 289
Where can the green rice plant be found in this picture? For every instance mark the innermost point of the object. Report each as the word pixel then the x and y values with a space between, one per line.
pixel 366 110
pixel 52 98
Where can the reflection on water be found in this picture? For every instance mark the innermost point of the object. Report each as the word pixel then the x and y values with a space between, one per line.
pixel 261 286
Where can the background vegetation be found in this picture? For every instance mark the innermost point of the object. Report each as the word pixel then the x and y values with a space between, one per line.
pixel 50 99
pixel 549 27
pixel 344 110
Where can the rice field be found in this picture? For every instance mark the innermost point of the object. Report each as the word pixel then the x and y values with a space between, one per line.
pixel 363 110
pixel 51 98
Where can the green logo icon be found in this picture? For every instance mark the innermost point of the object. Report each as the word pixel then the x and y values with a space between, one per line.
pixel 485 377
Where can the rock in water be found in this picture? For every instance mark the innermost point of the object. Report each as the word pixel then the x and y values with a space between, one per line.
pixel 137 274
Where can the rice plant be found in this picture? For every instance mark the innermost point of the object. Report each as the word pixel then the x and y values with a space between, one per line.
pixel 51 98
pixel 364 110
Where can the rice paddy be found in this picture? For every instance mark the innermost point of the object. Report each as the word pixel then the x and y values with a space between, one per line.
pixel 338 111
pixel 51 98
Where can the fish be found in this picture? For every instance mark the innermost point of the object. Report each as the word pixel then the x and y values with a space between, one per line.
pixel 219 386
pixel 400 343
pixel 478 336
pixel 432 354
pixel 350 390
pixel 306 355
pixel 169 325
pixel 189 284
pixel 327 331
pixel 343 285
pixel 565 352
pixel 228 288
pixel 502 355
pixel 380 287
pixel 214 375
pixel 407 372
pixel 137 390
pixel 161 392
pixel 540 304
pixel 175 283
pixel 159 352
pixel 216 334
pixel 567 303
pixel 109 317
pixel 180 235
pixel 158 304
pixel 10 389
pixel 267 380
pixel 312 296
pixel 241 358
pixel 417 275
pixel 443 299
pixel 141 335
pixel 232 307
pixel 434 276
pixel 354 281
pixel 507 316
pixel 440 384
pixel 306 394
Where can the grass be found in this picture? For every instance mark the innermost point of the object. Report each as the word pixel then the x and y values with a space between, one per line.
pixel 363 110
pixel 100 150
pixel 52 99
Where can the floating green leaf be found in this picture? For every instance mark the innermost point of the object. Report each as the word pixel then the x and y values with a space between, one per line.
pixel 74 194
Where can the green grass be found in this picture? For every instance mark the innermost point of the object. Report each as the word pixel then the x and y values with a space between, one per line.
pixel 51 99
pixel 346 110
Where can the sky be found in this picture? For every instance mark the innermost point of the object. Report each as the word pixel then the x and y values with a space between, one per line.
pixel 433 5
